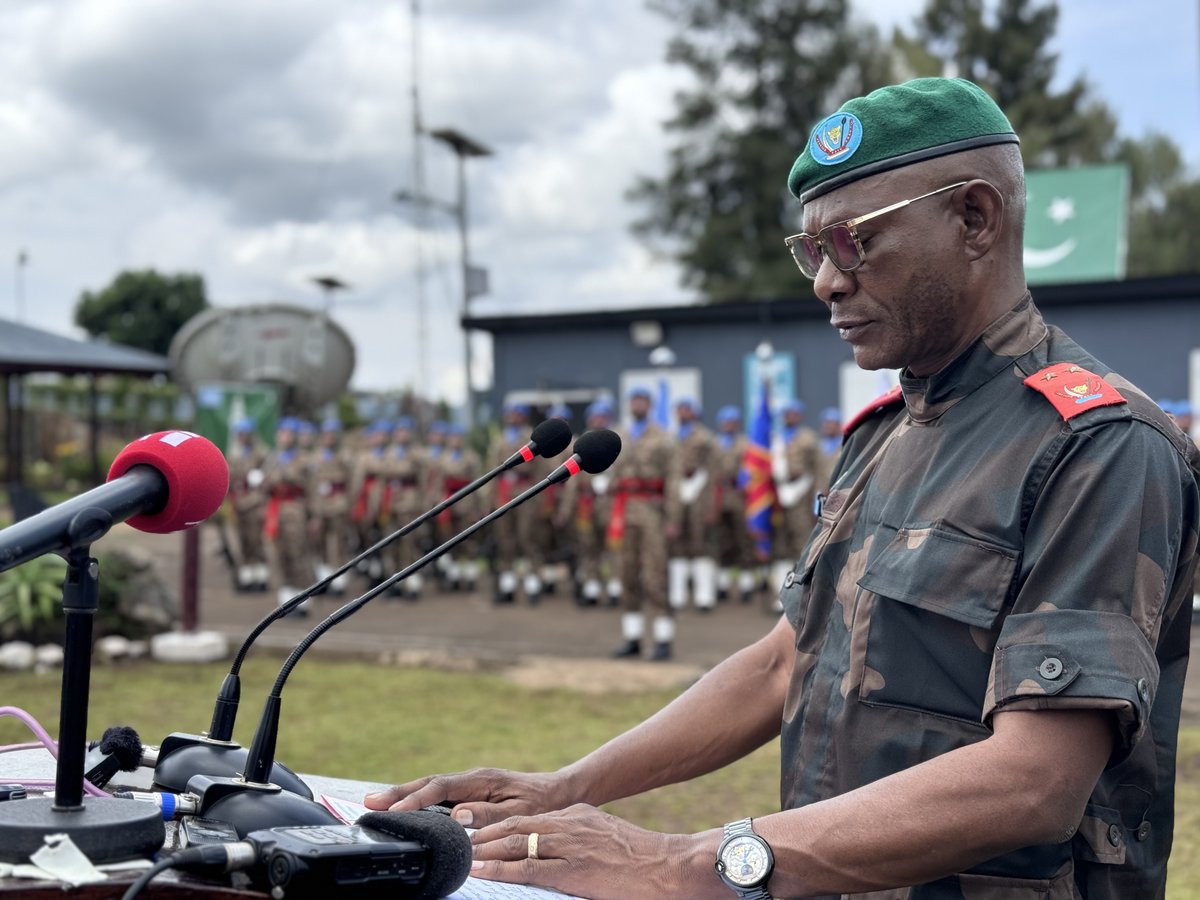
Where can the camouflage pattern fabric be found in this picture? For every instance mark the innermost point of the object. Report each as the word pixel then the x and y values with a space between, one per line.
pixel 979 553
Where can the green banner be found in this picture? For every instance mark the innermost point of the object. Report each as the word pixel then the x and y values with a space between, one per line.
pixel 220 406
pixel 1075 222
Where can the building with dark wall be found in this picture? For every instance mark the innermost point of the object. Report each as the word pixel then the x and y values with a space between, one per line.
pixel 1146 329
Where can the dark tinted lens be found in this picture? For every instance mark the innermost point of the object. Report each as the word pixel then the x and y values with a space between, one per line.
pixel 842 248
pixel 807 253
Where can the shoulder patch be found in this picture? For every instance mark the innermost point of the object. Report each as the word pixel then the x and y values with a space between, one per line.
pixel 895 395
pixel 1073 390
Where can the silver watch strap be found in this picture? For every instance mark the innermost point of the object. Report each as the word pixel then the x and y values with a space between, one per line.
pixel 745 826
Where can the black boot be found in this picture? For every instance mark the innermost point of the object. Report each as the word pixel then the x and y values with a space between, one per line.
pixel 662 652
pixel 628 649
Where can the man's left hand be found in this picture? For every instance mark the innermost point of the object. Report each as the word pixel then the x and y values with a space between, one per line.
pixel 588 853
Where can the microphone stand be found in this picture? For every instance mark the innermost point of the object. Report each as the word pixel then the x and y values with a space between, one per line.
pixel 104 828
pixel 183 755
pixel 251 801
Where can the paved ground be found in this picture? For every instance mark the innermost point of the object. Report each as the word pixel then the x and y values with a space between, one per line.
pixel 468 631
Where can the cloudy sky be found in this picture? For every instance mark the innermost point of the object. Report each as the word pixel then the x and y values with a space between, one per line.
pixel 260 143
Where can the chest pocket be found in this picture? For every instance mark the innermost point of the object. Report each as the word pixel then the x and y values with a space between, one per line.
pixel 931 626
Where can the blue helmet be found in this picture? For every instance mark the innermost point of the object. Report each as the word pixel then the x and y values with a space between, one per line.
pixel 728 414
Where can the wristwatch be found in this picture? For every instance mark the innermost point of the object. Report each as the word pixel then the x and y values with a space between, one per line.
pixel 745 861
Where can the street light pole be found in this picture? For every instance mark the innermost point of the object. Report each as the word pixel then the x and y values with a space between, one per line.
pixel 464 147
pixel 19 286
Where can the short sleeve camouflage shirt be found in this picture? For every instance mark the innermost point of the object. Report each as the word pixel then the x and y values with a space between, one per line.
pixel 977 552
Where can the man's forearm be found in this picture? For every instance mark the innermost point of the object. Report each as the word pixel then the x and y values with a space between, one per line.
pixel 733 709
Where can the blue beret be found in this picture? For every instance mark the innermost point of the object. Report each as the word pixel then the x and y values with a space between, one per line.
pixel 379 426
pixel 305 427
pixel 640 392
pixel 438 427
pixel 403 422
pixel 729 414
pixel 559 411
pixel 455 428
pixel 242 426
pixel 794 406
pixel 331 424
pixel 690 403
pixel 288 423
pixel 522 408
pixel 599 407
pixel 831 414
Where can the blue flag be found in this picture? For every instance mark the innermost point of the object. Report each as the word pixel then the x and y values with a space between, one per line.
pixel 756 479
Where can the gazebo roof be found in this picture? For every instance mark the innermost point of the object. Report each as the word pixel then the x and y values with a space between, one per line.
pixel 26 349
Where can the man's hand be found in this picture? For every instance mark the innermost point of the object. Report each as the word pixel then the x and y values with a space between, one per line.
pixel 480 797
pixel 589 853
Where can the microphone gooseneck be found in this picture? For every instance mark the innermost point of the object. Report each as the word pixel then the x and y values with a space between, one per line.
pixel 548 439
pixel 594 452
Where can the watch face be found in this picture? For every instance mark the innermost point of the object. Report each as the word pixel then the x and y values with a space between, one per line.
pixel 746 861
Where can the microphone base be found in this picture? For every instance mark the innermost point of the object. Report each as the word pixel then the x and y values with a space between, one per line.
pixel 104 828
pixel 183 756
pixel 253 807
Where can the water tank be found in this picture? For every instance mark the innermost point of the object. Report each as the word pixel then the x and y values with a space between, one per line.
pixel 305 353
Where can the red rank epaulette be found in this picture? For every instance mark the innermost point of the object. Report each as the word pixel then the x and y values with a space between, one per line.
pixel 1073 390
pixel 895 395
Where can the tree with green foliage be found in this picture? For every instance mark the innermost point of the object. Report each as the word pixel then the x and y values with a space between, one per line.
pixel 1164 209
pixel 142 309
pixel 765 72
pixel 1008 54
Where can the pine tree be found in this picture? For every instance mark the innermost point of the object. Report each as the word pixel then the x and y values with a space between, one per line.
pixel 1007 53
pixel 765 71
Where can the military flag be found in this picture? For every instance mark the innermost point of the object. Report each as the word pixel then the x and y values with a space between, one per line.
pixel 755 476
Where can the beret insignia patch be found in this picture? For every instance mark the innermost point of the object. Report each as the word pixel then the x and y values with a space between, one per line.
pixel 835 139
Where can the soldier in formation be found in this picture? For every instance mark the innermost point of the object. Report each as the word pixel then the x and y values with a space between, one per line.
pixel 286 480
pixel 739 570
pixel 248 502
pixel 796 466
pixel 582 518
pixel 692 566
pixel 639 526
pixel 331 469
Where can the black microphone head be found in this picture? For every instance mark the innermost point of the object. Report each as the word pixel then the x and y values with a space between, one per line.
pixel 551 437
pixel 598 450
pixel 122 743
pixel 447 842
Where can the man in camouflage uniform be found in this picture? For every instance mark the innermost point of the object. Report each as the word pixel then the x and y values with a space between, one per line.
pixel 638 528
pixel 554 543
pixel 981 662
pixel 403 500
pixel 511 534
pixel 434 533
pixel 248 500
pixel 366 495
pixel 329 504
pixel 735 550
pixel 458 465
pixel 582 517
pixel 691 562
pixel 795 454
pixel 829 443
pixel 286 480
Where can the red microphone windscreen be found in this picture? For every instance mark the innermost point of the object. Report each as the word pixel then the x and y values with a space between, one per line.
pixel 196 473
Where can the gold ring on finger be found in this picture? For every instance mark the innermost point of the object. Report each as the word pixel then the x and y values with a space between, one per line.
pixel 533 845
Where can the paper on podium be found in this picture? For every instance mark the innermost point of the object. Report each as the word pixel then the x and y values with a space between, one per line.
pixel 474 888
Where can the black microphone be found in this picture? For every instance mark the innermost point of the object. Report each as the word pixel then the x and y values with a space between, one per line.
pixel 447 842
pixel 183 755
pixel 252 801
pixel 118 750
pixel 163 482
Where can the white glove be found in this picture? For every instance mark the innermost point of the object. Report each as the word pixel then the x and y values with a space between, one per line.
pixel 690 488
pixel 600 483
pixel 792 492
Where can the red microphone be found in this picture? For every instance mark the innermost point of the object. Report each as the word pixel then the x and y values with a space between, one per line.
pixel 163 482
pixel 197 478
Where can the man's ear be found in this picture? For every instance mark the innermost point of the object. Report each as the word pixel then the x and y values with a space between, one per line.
pixel 982 209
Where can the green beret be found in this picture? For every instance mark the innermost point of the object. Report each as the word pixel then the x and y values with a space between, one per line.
pixel 897 126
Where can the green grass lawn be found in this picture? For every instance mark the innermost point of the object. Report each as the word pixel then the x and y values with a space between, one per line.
pixel 373 723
